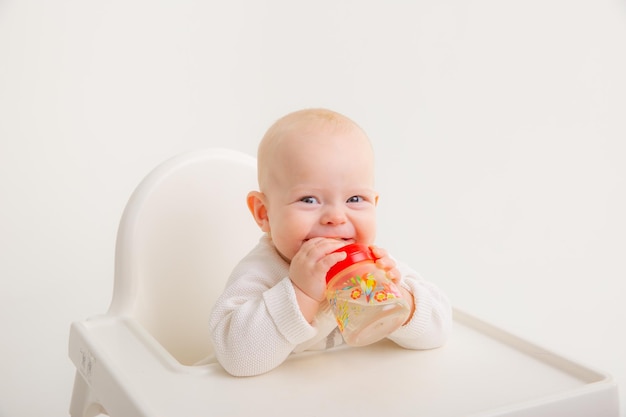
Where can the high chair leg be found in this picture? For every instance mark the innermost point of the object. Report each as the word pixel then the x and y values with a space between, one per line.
pixel 83 402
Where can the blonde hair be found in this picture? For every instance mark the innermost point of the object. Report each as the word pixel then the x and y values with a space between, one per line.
pixel 302 120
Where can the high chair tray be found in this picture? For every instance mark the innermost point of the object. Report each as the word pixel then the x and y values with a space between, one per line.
pixel 481 371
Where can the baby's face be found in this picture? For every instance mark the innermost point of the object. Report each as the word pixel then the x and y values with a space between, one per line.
pixel 321 184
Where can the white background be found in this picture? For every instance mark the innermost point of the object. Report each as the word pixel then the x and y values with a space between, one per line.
pixel 499 128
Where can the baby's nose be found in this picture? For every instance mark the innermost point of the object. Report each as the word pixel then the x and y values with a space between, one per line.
pixel 333 215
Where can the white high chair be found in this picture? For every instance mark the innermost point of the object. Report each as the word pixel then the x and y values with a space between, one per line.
pixel 184 228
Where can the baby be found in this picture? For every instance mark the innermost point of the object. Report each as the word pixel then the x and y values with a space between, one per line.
pixel 316 195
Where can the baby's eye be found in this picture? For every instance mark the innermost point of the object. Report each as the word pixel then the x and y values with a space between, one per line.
pixel 355 199
pixel 309 200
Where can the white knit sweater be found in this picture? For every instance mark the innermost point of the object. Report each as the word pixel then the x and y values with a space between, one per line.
pixel 256 323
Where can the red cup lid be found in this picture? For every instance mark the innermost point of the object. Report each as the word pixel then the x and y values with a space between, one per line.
pixel 355 253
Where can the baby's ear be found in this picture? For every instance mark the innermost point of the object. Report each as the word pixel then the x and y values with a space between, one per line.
pixel 258 208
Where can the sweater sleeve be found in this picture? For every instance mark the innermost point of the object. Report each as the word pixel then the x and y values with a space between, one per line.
pixel 432 319
pixel 256 322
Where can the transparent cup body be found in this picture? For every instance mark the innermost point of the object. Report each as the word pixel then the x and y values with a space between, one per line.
pixel 367 305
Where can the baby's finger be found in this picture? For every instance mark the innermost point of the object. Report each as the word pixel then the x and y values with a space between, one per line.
pixel 385 263
pixel 394 275
pixel 378 252
pixel 318 247
pixel 331 245
pixel 330 260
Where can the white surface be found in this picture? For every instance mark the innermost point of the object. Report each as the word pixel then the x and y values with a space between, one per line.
pixel 182 232
pixel 498 127
pixel 481 372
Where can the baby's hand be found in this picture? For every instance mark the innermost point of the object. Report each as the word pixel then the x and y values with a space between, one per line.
pixel 311 263
pixel 384 262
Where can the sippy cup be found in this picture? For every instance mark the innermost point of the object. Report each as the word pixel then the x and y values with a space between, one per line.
pixel 367 305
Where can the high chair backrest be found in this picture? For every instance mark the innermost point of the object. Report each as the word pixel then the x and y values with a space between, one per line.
pixel 183 230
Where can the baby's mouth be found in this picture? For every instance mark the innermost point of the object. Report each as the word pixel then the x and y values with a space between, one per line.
pixel 345 239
